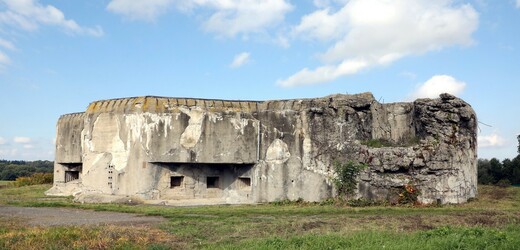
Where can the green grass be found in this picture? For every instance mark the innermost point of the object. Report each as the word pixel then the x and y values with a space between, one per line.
pixel 441 238
pixel 5 183
pixel 490 222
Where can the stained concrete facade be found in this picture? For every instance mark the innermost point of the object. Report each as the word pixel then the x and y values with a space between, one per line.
pixel 181 150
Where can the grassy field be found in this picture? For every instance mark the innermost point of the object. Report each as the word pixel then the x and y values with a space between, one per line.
pixel 5 183
pixel 490 222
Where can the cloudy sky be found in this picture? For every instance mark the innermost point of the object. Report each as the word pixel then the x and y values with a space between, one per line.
pixel 58 56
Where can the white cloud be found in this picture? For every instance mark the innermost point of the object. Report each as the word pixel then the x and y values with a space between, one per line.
pixel 243 16
pixel 240 60
pixel 379 32
pixel 8 153
pixel 147 10
pixel 518 3
pixel 227 18
pixel 26 148
pixel 22 140
pixel 493 140
pixel 323 74
pixel 7 44
pixel 437 85
pixel 321 3
pixel 29 15
pixel 321 25
pixel 2 141
pixel 328 3
pixel 4 60
pixel 409 75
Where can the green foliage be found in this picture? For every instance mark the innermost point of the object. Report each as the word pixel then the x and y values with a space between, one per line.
pixel 493 171
pixel 338 202
pixel 470 238
pixel 503 183
pixel 345 180
pixel 499 173
pixel 377 143
pixel 286 202
pixel 362 202
pixel 381 143
pixel 518 138
pixel 10 170
pixel 34 179
pixel 440 238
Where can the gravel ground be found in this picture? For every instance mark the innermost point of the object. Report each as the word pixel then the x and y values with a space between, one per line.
pixel 41 216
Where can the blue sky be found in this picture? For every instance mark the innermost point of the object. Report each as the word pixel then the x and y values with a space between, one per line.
pixel 58 56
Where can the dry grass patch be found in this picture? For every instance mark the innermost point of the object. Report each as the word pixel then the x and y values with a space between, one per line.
pixel 495 198
pixel 86 237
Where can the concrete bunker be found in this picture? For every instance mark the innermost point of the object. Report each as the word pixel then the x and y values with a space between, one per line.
pixel 177 181
pixel 213 182
pixel 189 181
pixel 71 171
pixel 177 150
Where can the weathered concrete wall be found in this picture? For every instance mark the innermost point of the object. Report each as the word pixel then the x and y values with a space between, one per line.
pixel 68 143
pixel 134 146
pixel 233 182
pixel 68 155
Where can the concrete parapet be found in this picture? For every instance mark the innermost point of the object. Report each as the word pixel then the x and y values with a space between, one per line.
pixel 154 104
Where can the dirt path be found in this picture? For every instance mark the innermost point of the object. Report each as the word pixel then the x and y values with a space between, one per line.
pixel 42 216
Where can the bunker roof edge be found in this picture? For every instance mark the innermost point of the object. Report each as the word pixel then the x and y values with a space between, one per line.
pixel 141 102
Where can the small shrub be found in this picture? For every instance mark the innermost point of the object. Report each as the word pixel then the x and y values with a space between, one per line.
pixel 34 179
pixel 412 141
pixel 346 177
pixel 377 143
pixel 503 183
pixel 327 202
pixel 22 181
pixel 381 143
pixel 472 199
pixel 363 203
pixel 409 194
pixel 286 202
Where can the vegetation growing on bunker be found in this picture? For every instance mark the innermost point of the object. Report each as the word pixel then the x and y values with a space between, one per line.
pixel 382 143
pixel 345 180
pixel 409 194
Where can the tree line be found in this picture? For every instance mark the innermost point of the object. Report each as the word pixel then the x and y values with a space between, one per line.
pixel 500 173
pixel 10 170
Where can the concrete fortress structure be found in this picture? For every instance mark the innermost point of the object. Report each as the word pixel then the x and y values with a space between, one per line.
pixel 178 150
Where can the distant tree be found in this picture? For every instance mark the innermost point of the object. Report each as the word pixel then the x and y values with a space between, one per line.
pixel 507 169
pixel 484 175
pixel 518 138
pixel 493 171
pixel 10 170
pixel 514 170
pixel 496 169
